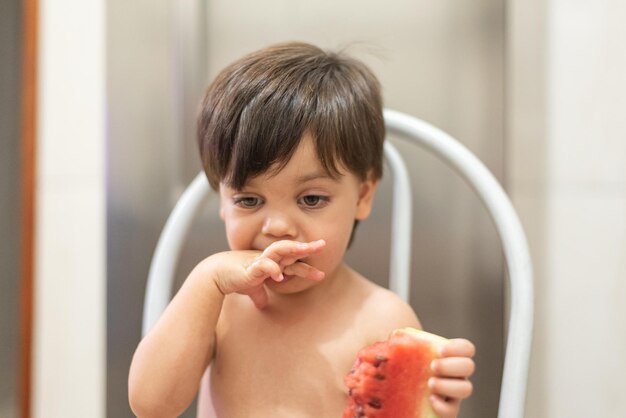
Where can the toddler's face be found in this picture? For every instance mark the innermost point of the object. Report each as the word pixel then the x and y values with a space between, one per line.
pixel 302 203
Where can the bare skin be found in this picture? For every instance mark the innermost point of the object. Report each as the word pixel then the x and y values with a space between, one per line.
pixel 291 358
pixel 280 317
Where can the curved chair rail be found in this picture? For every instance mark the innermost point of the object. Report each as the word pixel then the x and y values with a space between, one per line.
pixel 519 338
pixel 518 262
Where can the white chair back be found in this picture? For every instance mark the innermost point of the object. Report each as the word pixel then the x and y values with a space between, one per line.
pixel 458 157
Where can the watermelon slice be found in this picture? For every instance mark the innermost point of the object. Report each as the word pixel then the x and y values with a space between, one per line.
pixel 390 378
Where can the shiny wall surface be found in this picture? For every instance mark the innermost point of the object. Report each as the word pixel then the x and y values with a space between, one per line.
pixel 439 60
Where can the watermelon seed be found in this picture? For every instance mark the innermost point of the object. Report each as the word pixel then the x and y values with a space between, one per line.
pixel 379 376
pixel 375 403
pixel 379 359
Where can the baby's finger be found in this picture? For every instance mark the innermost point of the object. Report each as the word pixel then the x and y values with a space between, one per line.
pixel 259 296
pixel 262 268
pixel 452 388
pixel 304 270
pixel 458 347
pixel 453 367
pixel 445 408
pixel 285 248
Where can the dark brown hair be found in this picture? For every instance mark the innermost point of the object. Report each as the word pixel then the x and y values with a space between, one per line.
pixel 257 110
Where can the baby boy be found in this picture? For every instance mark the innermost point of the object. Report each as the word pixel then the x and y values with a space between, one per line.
pixel 292 138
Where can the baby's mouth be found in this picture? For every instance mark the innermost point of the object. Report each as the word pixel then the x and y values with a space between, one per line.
pixel 287 277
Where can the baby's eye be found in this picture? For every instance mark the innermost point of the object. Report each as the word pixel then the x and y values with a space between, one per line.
pixel 247 201
pixel 313 201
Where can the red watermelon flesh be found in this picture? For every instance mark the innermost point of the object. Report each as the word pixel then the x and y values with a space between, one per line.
pixel 390 378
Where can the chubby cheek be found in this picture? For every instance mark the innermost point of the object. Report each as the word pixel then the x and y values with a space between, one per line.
pixel 336 237
pixel 237 237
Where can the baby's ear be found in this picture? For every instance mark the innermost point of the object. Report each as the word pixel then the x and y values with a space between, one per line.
pixel 367 189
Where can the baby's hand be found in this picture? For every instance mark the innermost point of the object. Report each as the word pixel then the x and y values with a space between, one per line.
pixel 253 268
pixel 450 383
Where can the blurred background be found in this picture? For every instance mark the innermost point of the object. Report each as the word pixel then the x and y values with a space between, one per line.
pixel 534 88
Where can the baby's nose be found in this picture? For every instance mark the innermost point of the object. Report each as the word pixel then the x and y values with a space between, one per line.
pixel 279 226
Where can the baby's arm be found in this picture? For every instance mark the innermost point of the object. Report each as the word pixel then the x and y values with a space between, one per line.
pixel 450 384
pixel 169 362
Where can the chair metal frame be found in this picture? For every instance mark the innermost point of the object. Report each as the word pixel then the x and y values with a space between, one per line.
pixel 458 157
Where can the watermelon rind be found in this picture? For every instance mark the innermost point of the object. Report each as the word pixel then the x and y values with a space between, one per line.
pixel 418 333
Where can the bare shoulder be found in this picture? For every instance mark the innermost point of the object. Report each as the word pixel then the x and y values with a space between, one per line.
pixel 382 311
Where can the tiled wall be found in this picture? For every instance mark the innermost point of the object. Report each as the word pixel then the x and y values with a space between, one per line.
pixel 567 175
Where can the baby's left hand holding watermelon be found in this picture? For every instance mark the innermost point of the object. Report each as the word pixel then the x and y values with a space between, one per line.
pixel 450 384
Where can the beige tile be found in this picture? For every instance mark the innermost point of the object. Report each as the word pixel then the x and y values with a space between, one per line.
pixel 526 93
pixel 70 336
pixel 586 94
pixel 585 311
pixel 71 116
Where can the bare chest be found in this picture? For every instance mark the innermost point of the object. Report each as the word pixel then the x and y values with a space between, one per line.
pixel 292 368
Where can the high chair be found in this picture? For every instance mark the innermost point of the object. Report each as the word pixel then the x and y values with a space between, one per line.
pixel 508 226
